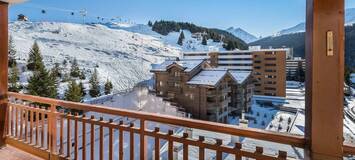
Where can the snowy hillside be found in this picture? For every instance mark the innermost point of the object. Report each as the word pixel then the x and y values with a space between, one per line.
pixel 122 56
pixel 190 44
pixel 242 34
pixel 349 19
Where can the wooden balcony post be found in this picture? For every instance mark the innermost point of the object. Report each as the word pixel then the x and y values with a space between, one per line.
pixel 324 78
pixel 3 69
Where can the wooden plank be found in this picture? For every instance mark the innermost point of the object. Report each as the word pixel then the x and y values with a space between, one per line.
pixel 201 152
pixel 324 79
pixel 157 145
pixel 69 135
pixel 185 148
pixel 76 141
pixel 61 136
pixel 92 138
pixel 170 145
pixel 110 146
pixel 4 69
pixel 43 128
pixel 120 142
pixel 101 140
pixel 37 127
pixel 83 139
pixel 143 141
pixel 131 142
pixel 31 126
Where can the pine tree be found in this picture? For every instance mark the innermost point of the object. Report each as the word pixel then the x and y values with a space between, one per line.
pixel 12 53
pixel 181 38
pixel 35 61
pixel 56 70
pixel 82 88
pixel 204 40
pixel 150 24
pixel 74 92
pixel 108 87
pixel 94 85
pixel 75 70
pixel 41 83
pixel 13 79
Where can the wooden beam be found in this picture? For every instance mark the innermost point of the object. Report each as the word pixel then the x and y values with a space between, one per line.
pixel 3 69
pixel 324 78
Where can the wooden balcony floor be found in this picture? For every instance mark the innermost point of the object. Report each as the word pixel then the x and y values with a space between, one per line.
pixel 11 153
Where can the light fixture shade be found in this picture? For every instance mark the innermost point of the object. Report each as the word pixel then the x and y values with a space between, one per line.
pixel 13 1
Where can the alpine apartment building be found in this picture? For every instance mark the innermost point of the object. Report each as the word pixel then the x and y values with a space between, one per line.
pixel 205 91
pixel 268 66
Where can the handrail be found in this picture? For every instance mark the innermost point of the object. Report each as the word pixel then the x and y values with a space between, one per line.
pixel 293 140
pixel 349 149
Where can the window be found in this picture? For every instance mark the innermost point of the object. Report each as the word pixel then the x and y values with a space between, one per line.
pixel 270 59
pixel 257 67
pixel 270 53
pixel 270 64
pixel 177 74
pixel 270 70
pixel 270 88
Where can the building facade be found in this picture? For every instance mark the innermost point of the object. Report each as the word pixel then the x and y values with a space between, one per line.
pixel 206 92
pixel 268 66
pixel 295 69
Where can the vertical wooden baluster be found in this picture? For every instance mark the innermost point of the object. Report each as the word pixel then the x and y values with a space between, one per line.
pixel 49 130
pixel 101 139
pixel 110 146
pixel 238 147
pixel 76 136
pixel 31 126
pixel 282 155
pixel 21 124
pixel 53 121
pixel 92 138
pixel 84 137
pixel 26 125
pixel 218 152
pixel 120 142
pixel 69 135
pixel 43 126
pixel 11 119
pixel 201 149
pixel 170 145
pixel 131 141
pixel 61 146
pixel 16 121
pixel 143 141
pixel 157 144
pixel 185 148
pixel 37 125
pixel 259 151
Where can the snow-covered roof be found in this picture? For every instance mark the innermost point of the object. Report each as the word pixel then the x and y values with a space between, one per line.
pixel 240 76
pixel 208 77
pixel 187 65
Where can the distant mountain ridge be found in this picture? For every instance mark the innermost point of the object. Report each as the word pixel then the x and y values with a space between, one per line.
pixel 242 34
pixel 349 19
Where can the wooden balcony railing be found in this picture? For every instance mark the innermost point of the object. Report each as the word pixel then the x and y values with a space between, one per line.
pixel 40 126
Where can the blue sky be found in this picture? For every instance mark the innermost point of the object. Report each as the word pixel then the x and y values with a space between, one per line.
pixel 259 17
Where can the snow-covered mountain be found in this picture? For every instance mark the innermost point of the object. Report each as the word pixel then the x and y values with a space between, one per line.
pixel 242 34
pixel 349 19
pixel 122 56
pixel 121 52
pixel 295 29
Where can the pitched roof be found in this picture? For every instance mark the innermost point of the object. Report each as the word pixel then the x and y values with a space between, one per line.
pixel 239 76
pixel 208 77
pixel 212 76
pixel 187 65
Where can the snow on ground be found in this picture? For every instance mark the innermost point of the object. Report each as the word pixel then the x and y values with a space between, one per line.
pixel 122 56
